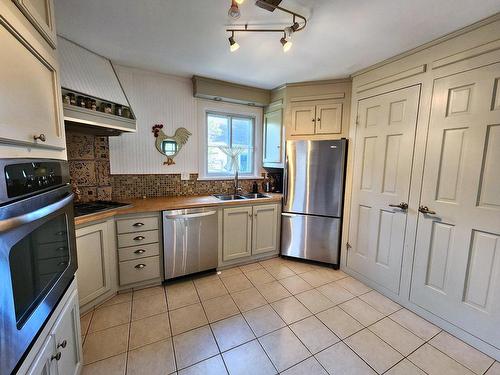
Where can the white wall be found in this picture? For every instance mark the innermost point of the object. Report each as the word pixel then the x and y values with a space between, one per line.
pixel 164 99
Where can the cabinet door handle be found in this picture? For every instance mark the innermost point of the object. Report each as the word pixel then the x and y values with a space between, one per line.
pixel 402 205
pixel 250 216
pixel 138 225
pixel 140 266
pixel 314 120
pixel 139 238
pixel 57 356
pixel 40 137
pixel 62 344
pixel 426 211
pixel 318 119
pixel 140 251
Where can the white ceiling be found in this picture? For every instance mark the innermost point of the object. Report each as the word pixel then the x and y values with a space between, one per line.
pixel 186 37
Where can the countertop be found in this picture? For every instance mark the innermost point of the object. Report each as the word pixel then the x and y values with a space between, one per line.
pixel 172 203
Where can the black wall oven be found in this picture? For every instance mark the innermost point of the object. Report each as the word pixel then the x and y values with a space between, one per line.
pixel 37 251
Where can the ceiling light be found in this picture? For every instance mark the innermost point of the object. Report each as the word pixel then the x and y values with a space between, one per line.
pixel 287 44
pixel 240 2
pixel 234 11
pixel 233 46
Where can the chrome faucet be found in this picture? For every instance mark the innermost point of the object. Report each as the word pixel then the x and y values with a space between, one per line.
pixel 237 188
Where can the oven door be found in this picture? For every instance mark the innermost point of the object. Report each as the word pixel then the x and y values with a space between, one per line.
pixel 37 264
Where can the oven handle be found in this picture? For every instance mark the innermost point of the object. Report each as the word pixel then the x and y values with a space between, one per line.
pixel 17 221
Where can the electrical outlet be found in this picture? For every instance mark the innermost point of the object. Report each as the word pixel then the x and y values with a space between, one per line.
pixel 185 176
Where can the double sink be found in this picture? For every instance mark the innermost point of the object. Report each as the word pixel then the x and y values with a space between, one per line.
pixel 233 197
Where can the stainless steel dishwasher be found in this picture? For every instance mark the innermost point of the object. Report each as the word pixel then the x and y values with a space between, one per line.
pixel 190 241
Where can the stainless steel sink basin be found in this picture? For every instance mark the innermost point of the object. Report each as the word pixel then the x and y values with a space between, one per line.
pixel 232 197
pixel 254 196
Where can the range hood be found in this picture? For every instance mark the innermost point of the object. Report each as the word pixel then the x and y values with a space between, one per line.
pixel 93 98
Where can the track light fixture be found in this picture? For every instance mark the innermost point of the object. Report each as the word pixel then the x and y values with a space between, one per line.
pixel 286 40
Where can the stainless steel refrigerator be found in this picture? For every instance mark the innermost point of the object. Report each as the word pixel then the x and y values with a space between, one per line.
pixel 314 179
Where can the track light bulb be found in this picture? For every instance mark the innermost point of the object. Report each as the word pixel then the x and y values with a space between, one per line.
pixel 287 44
pixel 234 11
pixel 233 46
pixel 240 2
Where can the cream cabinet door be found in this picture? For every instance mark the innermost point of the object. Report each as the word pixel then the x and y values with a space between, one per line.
pixel 30 111
pixel 41 15
pixel 273 138
pixel 237 233
pixel 43 363
pixel 93 245
pixel 329 118
pixel 456 272
pixel 265 229
pixel 383 155
pixel 303 120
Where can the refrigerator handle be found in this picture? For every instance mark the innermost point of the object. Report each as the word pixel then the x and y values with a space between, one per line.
pixel 285 182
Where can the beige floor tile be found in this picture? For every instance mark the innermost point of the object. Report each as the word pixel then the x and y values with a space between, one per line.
pixel 85 322
pixel 236 283
pixel 104 344
pixel 361 311
pixel 248 359
pixel 220 308
pixel 110 316
pixel 148 292
pixel 341 323
pixel 494 370
pixel 260 276
pixel 248 299
pixel 273 262
pixel 181 294
pixel 187 318
pixel 149 330
pixel 148 306
pixel 298 267
pixel 354 286
pixel 435 362
pixel 314 278
pixel 263 320
pixel 396 336
pixel 314 334
pixel 273 291
pixel 206 278
pixel 230 272
pixel 332 274
pixel 210 289
pixel 378 354
pixel 250 267
pixel 465 354
pixel 284 348
pixel 340 360
pixel 194 346
pixel 295 284
pixel 112 366
pixel 405 367
pixel 232 332
pixel 314 301
pixel 290 310
pixel 280 271
pixel 380 302
pixel 308 367
pixel 419 326
pixel 153 359
pixel 211 366
pixel 335 293
pixel 119 298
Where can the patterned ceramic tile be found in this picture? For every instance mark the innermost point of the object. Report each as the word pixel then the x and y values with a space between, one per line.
pixel 80 146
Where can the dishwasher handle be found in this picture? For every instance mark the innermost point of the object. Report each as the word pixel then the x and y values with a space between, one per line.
pixel 191 216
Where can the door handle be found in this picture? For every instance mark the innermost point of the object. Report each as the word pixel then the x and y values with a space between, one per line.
pixel 140 251
pixel 62 344
pixel 402 205
pixel 426 211
pixel 139 238
pixel 285 182
pixel 57 356
pixel 140 266
pixel 288 215
pixel 138 225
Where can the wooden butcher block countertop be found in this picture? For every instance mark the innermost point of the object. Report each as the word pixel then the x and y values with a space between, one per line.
pixel 172 203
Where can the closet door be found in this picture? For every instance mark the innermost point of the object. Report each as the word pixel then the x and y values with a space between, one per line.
pixel 456 271
pixel 385 138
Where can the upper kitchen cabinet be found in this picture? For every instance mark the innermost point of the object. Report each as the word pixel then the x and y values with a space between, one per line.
pixel 41 15
pixel 316 110
pixel 30 110
pixel 273 136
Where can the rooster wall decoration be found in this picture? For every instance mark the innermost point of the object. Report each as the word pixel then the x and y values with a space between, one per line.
pixel 170 145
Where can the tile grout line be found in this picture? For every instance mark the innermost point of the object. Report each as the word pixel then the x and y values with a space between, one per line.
pixel 171 338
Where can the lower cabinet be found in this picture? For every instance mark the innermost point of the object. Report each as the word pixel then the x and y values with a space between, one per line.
pixel 61 352
pixel 249 231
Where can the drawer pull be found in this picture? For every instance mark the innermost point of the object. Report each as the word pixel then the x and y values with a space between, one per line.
pixel 138 225
pixel 40 137
pixel 139 238
pixel 62 344
pixel 57 357
pixel 140 251
pixel 140 266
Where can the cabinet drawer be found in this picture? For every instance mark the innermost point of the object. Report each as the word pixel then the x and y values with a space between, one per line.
pixel 139 224
pixel 135 271
pixel 138 252
pixel 138 238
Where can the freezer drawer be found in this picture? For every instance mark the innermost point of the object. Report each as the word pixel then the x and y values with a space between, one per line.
pixel 190 241
pixel 311 237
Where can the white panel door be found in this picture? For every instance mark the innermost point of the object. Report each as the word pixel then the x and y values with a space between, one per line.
pixel 456 271
pixel 237 233
pixel 265 229
pixel 385 138
pixel 329 118
pixel 303 120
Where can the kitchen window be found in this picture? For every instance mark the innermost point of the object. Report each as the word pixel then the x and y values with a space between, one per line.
pixel 225 131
